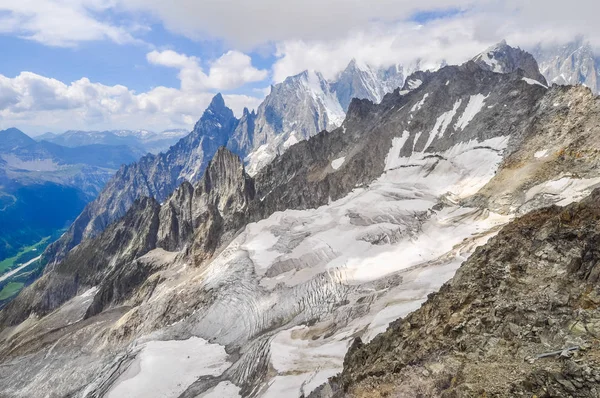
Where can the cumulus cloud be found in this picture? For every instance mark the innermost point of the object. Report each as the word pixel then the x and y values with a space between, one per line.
pixel 232 70
pixel 61 23
pixel 37 103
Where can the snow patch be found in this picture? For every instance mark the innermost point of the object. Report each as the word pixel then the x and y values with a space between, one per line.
pixel 473 107
pixel 393 159
pixel 166 368
pixel 541 154
pixel 419 104
pixel 568 189
pixel 442 123
pixel 414 84
pixel 337 163
pixel 533 82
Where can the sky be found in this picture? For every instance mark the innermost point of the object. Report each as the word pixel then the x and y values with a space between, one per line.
pixel 155 64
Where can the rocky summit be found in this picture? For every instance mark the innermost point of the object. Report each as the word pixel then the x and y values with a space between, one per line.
pixel 317 273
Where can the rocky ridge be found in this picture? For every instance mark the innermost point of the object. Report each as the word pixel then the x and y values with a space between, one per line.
pixel 503 58
pixel 295 110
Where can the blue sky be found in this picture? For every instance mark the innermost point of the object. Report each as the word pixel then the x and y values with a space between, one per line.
pixel 111 63
pixel 150 64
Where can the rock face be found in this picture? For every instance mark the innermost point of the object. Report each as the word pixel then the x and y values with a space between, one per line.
pixel 306 104
pixel 366 82
pixel 520 318
pixel 502 58
pixel 572 63
pixel 334 239
pixel 203 214
pixel 154 176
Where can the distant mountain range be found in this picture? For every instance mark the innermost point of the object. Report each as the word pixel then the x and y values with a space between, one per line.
pixel 142 141
pixel 571 63
pixel 43 185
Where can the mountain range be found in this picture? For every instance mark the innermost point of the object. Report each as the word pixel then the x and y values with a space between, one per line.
pixel 296 109
pixel 571 63
pixel 44 186
pixel 192 275
pixel 140 141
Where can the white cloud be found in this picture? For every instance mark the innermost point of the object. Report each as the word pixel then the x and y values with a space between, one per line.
pixel 232 70
pixel 453 41
pixel 61 22
pixel 247 24
pixel 37 104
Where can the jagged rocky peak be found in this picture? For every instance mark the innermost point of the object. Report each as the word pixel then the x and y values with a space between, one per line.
pixel 502 58
pixel 242 140
pixel 572 63
pixel 226 181
pixel 366 82
pixel 296 109
pixel 217 113
pixel 306 104
pixel 155 176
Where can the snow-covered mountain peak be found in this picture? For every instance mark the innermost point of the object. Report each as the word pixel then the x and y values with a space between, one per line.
pixel 572 63
pixel 502 58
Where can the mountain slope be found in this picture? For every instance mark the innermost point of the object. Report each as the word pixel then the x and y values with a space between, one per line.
pixel 155 176
pixel 43 187
pixel 520 318
pixel 14 139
